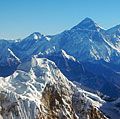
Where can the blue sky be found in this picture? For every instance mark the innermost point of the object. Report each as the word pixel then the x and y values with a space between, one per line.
pixel 19 18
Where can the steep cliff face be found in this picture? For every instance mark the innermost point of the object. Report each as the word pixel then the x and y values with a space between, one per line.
pixel 69 106
pixel 13 106
pixel 38 90
pixel 85 109
pixel 57 103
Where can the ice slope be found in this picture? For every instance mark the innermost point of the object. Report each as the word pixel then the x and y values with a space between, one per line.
pixel 94 76
pixel 31 45
pixel 37 89
pixel 86 42
pixel 8 60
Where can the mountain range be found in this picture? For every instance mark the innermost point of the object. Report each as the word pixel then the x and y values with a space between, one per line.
pixel 71 75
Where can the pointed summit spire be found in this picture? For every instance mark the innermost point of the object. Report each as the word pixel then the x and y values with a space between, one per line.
pixel 35 35
pixel 87 24
pixel 87 19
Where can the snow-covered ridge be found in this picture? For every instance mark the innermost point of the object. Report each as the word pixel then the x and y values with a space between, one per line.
pixel 87 38
pixel 88 24
pixel 29 91
pixel 13 55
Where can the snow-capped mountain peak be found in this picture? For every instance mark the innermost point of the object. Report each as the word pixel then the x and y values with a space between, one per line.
pixel 87 24
pixel 43 91
pixel 114 30
pixel 36 36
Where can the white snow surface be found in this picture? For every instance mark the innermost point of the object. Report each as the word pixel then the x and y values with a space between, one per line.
pixel 25 87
